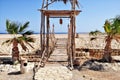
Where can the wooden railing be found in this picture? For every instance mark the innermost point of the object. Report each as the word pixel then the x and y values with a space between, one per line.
pixel 46 54
pixel 52 42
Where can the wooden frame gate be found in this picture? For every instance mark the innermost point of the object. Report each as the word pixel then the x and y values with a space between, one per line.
pixel 44 35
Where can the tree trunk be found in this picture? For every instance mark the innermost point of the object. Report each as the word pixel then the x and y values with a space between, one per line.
pixel 15 51
pixel 107 50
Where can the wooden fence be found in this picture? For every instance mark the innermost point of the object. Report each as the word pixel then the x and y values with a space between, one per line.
pixel 96 53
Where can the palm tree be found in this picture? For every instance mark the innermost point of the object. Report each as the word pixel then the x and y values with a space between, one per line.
pixel 94 33
pixel 22 39
pixel 112 28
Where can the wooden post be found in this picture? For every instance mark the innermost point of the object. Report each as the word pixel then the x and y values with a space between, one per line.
pixel 47 4
pixel 68 45
pixel 43 3
pixel 47 36
pixel 53 31
pixel 42 32
pixel 71 43
pixel 45 29
pixel 74 31
pixel 72 36
pixel 73 4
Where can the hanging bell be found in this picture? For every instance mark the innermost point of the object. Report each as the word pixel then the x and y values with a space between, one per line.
pixel 61 21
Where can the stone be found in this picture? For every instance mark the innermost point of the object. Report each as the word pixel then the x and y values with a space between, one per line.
pixel 53 73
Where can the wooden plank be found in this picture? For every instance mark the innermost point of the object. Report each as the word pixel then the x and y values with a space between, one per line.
pixel 41 32
pixel 60 13
pixel 47 36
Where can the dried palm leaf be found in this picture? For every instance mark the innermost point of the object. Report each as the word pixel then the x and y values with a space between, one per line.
pixel 23 46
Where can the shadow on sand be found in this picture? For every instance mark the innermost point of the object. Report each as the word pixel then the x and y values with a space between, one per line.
pixel 96 65
pixel 14 73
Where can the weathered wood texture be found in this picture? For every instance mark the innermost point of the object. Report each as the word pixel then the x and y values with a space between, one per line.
pixel 45 43
pixel 60 13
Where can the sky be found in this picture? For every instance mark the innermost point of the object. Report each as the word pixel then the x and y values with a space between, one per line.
pixel 93 15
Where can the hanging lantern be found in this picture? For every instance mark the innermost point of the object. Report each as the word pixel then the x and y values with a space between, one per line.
pixel 61 21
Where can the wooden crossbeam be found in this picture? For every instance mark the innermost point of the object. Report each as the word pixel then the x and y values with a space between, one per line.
pixel 59 13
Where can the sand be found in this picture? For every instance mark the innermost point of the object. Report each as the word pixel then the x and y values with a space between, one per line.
pixel 82 42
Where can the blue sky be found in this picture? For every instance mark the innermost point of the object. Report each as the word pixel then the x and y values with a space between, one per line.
pixel 93 15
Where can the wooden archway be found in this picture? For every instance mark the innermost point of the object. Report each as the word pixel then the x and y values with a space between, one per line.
pixel 45 15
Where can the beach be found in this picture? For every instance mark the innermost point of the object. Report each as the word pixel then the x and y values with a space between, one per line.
pixel 82 42
pixel 85 72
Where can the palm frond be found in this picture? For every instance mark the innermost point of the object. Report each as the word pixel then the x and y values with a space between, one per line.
pixel 23 27
pixel 91 33
pixel 21 41
pixel 29 39
pixel 7 24
pixel 107 27
pixel 9 41
pixel 95 33
pixel 26 40
pixel 30 45
pixel 28 33
pixel 23 45
pixel 116 24
pixel 14 28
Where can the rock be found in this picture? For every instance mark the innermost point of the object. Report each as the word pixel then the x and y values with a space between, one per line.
pixel 53 73
pixel 99 66
pixel 87 64
pixel 13 68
